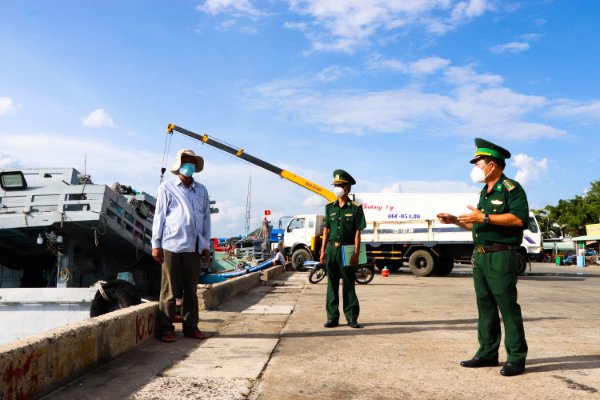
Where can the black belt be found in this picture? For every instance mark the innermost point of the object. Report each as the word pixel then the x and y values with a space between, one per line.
pixel 339 244
pixel 480 248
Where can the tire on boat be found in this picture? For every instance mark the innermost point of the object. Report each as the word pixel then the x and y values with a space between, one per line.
pixel 114 295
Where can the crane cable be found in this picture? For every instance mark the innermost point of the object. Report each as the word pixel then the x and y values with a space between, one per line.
pixel 166 149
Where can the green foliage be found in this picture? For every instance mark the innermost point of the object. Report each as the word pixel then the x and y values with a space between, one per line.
pixel 571 216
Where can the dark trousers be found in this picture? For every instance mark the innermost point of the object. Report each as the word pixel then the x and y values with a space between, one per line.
pixel 495 279
pixel 180 271
pixel 335 272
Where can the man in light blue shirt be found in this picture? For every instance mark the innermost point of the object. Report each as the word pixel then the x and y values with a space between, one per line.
pixel 180 242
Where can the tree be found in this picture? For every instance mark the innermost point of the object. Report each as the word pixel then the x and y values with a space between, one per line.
pixel 571 216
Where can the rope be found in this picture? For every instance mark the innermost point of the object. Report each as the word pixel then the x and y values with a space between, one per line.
pixel 103 294
pixel 64 274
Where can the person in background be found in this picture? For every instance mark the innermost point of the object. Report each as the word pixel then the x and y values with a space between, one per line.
pixel 344 219
pixel 279 259
pixel 497 225
pixel 180 242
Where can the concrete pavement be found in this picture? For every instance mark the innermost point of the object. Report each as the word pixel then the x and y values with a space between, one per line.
pixel 269 343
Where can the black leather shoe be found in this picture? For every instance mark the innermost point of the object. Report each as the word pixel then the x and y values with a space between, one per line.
pixel 354 324
pixel 477 362
pixel 331 323
pixel 512 369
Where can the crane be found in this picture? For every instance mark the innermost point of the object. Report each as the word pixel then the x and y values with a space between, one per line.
pixel 298 180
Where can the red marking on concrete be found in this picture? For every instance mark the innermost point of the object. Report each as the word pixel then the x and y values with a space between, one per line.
pixel 140 327
pixel 143 329
pixel 150 324
pixel 18 385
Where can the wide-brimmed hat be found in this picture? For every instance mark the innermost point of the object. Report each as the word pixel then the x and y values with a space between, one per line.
pixel 199 161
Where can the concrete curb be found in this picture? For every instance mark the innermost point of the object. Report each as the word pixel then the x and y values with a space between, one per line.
pixel 212 295
pixel 34 366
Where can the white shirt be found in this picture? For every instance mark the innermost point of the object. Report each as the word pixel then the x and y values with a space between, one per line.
pixel 279 257
pixel 181 218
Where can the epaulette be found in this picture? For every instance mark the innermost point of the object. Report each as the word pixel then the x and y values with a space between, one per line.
pixel 332 203
pixel 508 184
pixel 356 203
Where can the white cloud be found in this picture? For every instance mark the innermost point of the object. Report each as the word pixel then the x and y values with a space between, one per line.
pixel 473 104
pixel 344 26
pixel 236 8
pixel 98 119
pixel 332 73
pixel 466 76
pixel 469 9
pixel 528 168
pixel 8 162
pixel 569 108
pixel 424 66
pixel 7 106
pixel 512 47
pixel 395 187
pixel 530 37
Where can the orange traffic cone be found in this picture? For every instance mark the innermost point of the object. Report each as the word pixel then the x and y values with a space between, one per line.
pixel 385 272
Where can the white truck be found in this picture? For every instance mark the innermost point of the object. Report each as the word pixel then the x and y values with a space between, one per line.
pixel 400 226
pixel 404 227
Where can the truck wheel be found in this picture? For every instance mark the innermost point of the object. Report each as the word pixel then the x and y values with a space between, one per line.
pixel 422 263
pixel 521 263
pixel 444 266
pixel 299 256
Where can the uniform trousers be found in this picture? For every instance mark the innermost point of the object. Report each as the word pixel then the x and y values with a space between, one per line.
pixel 335 272
pixel 180 271
pixel 495 279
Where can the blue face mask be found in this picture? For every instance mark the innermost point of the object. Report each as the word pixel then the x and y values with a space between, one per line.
pixel 187 169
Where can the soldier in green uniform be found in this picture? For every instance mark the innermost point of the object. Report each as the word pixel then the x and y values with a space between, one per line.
pixel 497 225
pixel 344 219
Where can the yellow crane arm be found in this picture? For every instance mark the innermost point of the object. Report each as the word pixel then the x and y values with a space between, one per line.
pixel 298 180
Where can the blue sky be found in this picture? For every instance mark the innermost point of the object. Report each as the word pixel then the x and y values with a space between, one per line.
pixel 394 91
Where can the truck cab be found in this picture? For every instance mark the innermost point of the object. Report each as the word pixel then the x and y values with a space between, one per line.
pixel 302 238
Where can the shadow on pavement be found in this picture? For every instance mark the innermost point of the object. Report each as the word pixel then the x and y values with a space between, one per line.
pixel 369 328
pixel 565 363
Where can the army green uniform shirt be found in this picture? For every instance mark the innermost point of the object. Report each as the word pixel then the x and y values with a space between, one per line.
pixel 507 197
pixel 343 222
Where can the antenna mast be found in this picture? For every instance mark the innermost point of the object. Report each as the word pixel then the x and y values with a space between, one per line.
pixel 248 205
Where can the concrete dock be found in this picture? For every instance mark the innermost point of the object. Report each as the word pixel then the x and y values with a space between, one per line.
pixel 269 343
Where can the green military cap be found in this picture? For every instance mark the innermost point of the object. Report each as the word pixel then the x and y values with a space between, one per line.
pixel 341 176
pixel 486 148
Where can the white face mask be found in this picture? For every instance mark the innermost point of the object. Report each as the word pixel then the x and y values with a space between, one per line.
pixel 339 191
pixel 477 174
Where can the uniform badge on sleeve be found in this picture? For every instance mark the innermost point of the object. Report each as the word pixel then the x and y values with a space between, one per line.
pixel 508 185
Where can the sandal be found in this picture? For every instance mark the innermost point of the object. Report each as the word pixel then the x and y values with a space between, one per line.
pixel 168 337
pixel 197 334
